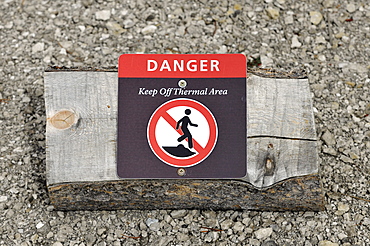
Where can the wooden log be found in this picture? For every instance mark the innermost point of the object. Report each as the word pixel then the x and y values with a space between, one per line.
pixel 282 163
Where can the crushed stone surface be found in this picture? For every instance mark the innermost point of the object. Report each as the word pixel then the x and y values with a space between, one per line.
pixel 327 39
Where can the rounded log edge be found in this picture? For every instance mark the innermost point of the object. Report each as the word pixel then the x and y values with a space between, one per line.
pixel 294 194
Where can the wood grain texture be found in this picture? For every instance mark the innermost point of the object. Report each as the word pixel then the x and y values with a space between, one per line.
pixel 282 163
pixel 87 150
pixel 279 108
pixel 280 130
pixel 271 160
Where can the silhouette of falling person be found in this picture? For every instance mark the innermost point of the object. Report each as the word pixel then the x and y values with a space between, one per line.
pixel 185 121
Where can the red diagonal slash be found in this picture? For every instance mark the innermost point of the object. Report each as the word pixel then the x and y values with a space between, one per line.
pixel 203 152
pixel 173 123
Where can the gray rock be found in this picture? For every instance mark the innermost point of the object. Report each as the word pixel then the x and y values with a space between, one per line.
pixel 327 243
pixel 100 231
pixel 269 243
pixel 177 214
pixel 273 13
pixel 182 237
pixel 342 236
pixel 39 225
pixel 351 7
pixel 266 61
pixel 211 236
pixel 148 29
pixel 330 151
pixel 115 28
pixel 328 3
pixel 153 224
pixel 342 208
pixel 103 15
pixel 128 23
pixel 366 221
pixel 38 47
pixel 353 156
pixel 316 17
pixel 226 224
pixel 238 226
pixel 328 138
pixel 263 233
pixel 295 42
pixel 90 239
pixel 289 19
pixel 180 31
pixel 150 221
pixel 346 159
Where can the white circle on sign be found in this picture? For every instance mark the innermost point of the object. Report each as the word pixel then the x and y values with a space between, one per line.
pixel 192 141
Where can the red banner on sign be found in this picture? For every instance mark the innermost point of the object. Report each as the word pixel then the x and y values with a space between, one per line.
pixel 182 66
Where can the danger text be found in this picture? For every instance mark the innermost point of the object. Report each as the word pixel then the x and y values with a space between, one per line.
pixel 182 66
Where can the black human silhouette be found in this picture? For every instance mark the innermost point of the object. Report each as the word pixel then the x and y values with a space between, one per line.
pixel 185 121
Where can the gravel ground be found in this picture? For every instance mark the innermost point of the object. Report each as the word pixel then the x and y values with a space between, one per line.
pixel 329 39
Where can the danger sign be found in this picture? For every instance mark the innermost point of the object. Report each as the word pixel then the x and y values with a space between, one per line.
pixel 182 132
pixel 181 116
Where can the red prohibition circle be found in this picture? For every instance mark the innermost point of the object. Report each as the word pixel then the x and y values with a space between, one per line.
pixel 177 162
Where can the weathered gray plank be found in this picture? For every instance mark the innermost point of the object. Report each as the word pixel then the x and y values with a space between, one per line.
pixel 86 150
pixel 271 160
pixel 280 130
pixel 281 146
pixel 279 108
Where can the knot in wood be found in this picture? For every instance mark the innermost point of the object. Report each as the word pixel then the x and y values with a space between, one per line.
pixel 269 166
pixel 63 119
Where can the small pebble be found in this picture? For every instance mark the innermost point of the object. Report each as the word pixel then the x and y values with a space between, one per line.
pixel 289 19
pixel 38 47
pixel 39 225
pixel 114 27
pixel 346 159
pixel 295 42
pixel 328 138
pixel 263 233
pixel 316 17
pixel 342 208
pixel 103 15
pixel 150 221
pixel 148 29
pixel 351 7
pixel 328 3
pixel 273 13
pixel 177 214
pixel 327 243
pixel 238 226
pixel 226 224
pixel 128 23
